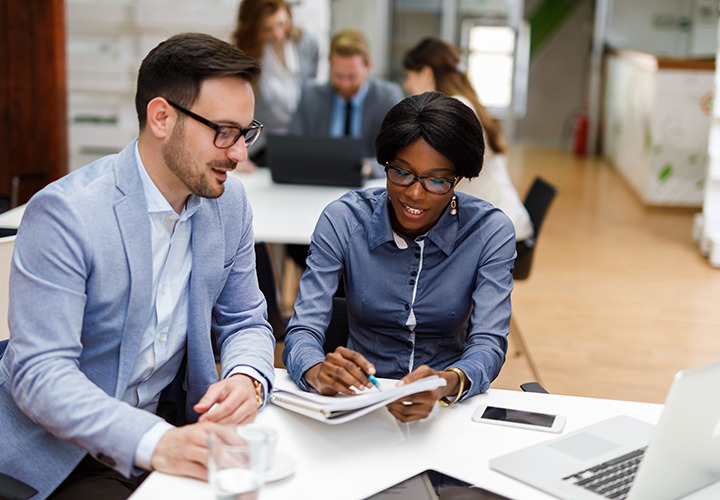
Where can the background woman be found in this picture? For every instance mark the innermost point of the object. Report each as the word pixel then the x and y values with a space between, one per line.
pixel 289 57
pixel 427 271
pixel 433 65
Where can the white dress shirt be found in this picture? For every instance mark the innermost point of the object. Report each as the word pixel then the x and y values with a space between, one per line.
pixel 163 340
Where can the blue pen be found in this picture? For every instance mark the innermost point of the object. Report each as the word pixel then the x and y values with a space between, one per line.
pixel 372 379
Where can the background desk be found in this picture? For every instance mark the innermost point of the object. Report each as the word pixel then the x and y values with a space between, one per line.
pixel 361 457
pixel 10 220
pixel 287 213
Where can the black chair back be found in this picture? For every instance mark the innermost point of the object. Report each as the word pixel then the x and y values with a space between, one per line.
pixel 14 489
pixel 537 203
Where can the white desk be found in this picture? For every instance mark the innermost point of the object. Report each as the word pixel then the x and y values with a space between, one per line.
pixel 11 219
pixel 287 213
pixel 359 458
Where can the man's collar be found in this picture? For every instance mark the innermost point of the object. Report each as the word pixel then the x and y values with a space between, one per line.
pixel 359 96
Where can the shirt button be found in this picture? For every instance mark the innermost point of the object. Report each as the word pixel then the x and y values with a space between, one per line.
pixel 163 289
pixel 417 255
pixel 412 282
pixel 414 273
pixel 407 307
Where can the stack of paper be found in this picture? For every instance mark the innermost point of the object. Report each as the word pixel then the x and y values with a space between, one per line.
pixel 342 408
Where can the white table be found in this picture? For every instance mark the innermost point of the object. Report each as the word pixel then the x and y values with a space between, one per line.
pixel 287 213
pixel 11 219
pixel 362 457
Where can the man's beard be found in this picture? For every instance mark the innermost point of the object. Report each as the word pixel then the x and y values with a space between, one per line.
pixel 180 162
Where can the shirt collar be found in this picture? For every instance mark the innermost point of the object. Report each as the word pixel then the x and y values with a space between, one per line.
pixel 155 200
pixel 443 234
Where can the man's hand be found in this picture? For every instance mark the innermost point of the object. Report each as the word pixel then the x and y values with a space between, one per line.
pixel 231 401
pixel 183 451
pixel 342 369
pixel 418 406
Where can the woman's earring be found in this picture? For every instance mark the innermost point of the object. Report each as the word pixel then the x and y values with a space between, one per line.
pixel 453 205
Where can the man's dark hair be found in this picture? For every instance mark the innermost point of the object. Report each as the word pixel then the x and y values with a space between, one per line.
pixel 176 68
pixel 446 124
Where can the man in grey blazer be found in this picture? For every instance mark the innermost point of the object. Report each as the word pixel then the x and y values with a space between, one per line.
pixel 125 274
pixel 351 103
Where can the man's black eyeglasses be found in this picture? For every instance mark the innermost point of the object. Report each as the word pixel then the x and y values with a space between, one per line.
pixel 225 135
pixel 433 185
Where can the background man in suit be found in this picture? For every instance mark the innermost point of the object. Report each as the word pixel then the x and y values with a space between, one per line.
pixel 352 103
pixel 121 271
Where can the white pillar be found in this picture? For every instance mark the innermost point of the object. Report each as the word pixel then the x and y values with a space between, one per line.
pixel 707 224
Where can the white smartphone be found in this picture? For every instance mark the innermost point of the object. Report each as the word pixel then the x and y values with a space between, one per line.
pixel 519 418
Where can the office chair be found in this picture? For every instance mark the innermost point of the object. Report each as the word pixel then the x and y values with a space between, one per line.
pixel 537 203
pixel 13 489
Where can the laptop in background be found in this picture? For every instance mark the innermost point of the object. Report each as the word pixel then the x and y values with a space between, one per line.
pixel 678 456
pixel 315 159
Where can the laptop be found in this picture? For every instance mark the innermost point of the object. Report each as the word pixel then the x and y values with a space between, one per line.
pixel 315 159
pixel 678 456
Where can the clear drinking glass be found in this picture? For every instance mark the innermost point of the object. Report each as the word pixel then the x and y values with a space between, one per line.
pixel 263 439
pixel 234 466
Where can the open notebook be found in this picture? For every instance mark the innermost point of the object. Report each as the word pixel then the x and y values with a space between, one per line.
pixel 341 408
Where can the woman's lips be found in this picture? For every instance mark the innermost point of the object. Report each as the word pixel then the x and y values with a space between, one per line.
pixel 413 212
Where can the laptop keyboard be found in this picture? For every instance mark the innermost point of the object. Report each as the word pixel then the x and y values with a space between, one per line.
pixel 611 479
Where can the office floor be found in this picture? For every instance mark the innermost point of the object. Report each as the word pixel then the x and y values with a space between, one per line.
pixel 619 297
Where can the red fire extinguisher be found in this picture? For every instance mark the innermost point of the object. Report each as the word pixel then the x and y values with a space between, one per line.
pixel 580 132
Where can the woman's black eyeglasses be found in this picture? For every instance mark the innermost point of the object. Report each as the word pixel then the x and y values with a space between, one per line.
pixel 225 135
pixel 434 185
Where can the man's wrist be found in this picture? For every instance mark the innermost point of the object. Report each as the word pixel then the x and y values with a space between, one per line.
pixel 257 386
pixel 259 396
pixel 148 443
pixel 253 375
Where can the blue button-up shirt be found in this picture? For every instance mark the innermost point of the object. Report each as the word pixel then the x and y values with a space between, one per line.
pixel 441 300
pixel 339 109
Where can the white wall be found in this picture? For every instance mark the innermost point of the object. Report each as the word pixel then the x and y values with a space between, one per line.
pixel 674 28
pixel 108 39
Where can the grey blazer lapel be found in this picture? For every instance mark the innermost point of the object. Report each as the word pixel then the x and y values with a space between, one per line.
pixel 134 225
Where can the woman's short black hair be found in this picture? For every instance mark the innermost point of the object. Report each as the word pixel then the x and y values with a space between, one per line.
pixel 445 123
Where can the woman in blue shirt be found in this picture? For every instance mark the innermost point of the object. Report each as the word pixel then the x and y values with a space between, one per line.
pixel 427 271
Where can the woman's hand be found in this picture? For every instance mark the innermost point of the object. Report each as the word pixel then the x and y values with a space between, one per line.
pixel 341 370
pixel 418 406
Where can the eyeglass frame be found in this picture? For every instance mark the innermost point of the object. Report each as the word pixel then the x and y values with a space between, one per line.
pixel 417 178
pixel 254 125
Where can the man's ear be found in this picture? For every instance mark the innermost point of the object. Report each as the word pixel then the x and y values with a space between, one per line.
pixel 161 118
